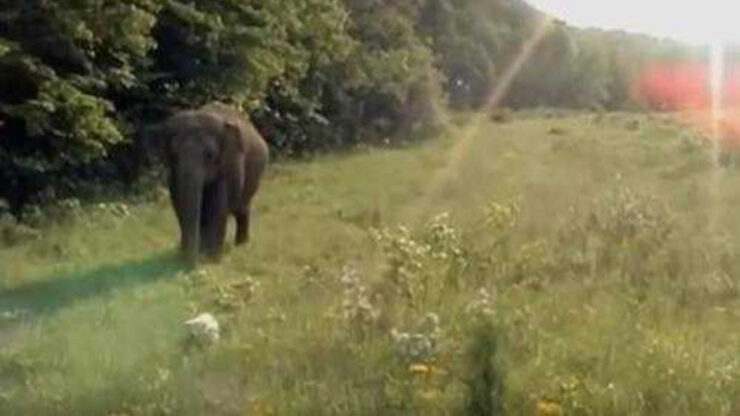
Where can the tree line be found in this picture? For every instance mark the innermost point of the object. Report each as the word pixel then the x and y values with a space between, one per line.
pixel 79 78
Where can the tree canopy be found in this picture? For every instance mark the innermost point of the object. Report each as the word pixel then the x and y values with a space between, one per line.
pixel 79 78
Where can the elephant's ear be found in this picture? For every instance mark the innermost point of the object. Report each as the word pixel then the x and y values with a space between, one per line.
pixel 232 141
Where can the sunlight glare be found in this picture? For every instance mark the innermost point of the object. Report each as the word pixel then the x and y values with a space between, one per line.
pixel 717 86
pixel 717 76
pixel 461 147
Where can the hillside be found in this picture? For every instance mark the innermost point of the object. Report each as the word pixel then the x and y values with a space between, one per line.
pixel 559 263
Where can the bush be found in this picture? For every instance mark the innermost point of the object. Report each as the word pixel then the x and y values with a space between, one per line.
pixel 502 115
pixel 484 378
pixel 13 233
pixel 78 80
pixel 557 131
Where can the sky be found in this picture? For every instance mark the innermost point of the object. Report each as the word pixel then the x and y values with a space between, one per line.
pixel 692 21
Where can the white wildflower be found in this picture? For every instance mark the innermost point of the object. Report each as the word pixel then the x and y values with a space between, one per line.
pixel 356 306
pixel 421 345
pixel 482 305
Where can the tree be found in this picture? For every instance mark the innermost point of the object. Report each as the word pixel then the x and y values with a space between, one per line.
pixel 58 62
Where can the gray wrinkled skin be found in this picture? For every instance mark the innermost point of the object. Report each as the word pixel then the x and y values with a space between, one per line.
pixel 216 159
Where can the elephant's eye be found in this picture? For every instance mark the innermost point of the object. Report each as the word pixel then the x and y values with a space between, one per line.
pixel 209 156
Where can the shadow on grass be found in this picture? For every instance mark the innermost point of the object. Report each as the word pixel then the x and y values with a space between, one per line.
pixel 56 291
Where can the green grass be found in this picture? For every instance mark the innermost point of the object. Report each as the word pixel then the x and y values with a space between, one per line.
pixel 610 265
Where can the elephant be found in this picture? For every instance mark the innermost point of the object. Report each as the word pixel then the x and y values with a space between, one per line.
pixel 216 159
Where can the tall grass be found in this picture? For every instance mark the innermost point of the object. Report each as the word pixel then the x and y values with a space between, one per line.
pixel 549 274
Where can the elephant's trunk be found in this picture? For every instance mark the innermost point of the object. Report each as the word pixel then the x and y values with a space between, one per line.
pixel 189 197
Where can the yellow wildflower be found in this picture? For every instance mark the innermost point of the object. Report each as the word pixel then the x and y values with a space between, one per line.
pixel 259 407
pixel 548 407
pixel 420 369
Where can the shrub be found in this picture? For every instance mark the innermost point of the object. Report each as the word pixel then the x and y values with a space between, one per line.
pixel 501 115
pixel 357 312
pixel 557 131
pixel 420 344
pixel 484 378
pixel 14 233
pixel 406 260
pixel 623 232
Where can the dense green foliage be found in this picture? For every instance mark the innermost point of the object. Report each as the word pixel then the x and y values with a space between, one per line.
pixel 78 78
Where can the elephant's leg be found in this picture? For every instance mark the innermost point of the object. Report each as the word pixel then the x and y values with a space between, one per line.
pixel 253 172
pixel 177 207
pixel 206 220
pixel 219 227
pixel 242 226
pixel 187 199
pixel 214 220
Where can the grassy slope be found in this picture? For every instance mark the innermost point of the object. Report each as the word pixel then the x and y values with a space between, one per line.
pixel 92 314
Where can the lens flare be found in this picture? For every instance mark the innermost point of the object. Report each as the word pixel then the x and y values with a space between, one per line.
pixel 701 95
pixel 463 142
pixel 717 78
pixel 675 86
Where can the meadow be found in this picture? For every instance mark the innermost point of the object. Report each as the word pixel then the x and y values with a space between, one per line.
pixel 551 264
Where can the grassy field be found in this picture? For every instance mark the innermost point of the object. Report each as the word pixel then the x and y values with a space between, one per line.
pixel 579 265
